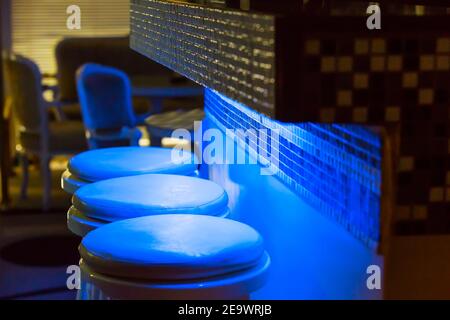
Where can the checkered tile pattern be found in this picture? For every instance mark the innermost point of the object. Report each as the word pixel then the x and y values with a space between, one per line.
pixel 403 82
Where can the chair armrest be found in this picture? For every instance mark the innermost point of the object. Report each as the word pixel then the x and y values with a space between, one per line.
pixel 56 107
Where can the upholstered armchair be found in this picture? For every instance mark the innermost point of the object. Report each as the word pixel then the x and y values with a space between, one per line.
pixel 105 100
pixel 36 134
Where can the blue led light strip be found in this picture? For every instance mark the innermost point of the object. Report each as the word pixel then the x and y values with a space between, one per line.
pixel 335 168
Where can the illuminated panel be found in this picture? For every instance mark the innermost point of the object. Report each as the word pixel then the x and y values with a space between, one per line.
pixel 334 168
pixel 226 50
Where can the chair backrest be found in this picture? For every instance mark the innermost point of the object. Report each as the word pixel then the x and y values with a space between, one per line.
pixel 72 53
pixel 23 84
pixel 105 98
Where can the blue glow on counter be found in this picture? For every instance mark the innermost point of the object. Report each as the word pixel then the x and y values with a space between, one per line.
pixel 335 168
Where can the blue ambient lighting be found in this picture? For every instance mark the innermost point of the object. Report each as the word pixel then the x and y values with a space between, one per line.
pixel 335 168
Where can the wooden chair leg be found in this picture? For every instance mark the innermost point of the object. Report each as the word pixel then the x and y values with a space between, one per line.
pixel 25 175
pixel 46 177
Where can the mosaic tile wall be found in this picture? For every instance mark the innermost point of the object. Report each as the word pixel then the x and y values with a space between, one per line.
pixel 226 50
pixel 334 168
pixel 327 71
pixel 401 82
pixel 369 80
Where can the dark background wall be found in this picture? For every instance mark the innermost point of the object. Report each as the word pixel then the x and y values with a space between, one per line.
pixel 3 127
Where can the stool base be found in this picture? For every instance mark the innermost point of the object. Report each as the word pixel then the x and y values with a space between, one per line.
pixel 81 224
pixel 236 286
pixel 71 183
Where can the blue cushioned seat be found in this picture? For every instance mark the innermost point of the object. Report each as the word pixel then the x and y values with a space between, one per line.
pixel 144 195
pixel 173 247
pixel 101 164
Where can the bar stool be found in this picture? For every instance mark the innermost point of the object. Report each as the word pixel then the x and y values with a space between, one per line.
pixel 175 256
pixel 100 203
pixel 102 164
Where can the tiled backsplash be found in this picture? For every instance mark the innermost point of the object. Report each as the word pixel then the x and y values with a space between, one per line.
pixel 330 72
pixel 230 51
pixel 334 168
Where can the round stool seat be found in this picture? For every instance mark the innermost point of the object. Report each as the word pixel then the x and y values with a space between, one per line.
pixel 175 252
pixel 144 195
pixel 108 163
